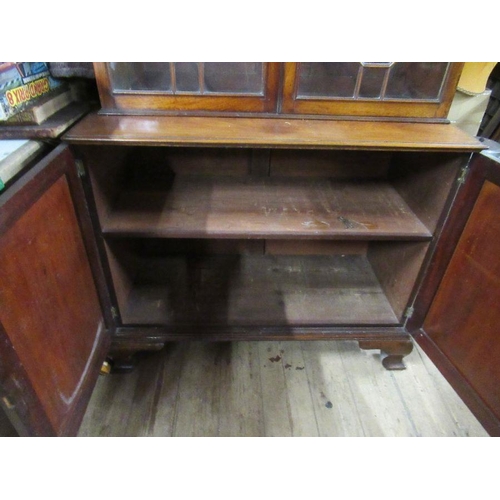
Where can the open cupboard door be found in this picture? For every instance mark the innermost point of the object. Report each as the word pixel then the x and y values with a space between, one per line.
pixel 457 314
pixel 53 335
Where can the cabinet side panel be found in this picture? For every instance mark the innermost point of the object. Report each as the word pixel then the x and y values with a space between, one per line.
pixel 48 301
pixel 396 265
pixel 463 319
pixel 425 180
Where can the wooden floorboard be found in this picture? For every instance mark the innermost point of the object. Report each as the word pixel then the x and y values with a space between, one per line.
pixel 277 389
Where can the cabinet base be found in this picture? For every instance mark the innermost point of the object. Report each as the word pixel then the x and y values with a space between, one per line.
pixel 123 355
pixel 123 363
pixel 393 344
pixel 391 351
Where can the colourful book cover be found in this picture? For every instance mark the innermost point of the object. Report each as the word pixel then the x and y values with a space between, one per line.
pixel 21 83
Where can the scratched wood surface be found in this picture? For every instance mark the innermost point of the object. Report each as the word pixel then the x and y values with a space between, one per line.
pixel 269 132
pixel 229 207
pixel 276 389
pixel 252 290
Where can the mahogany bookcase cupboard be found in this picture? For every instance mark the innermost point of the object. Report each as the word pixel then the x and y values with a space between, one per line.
pixel 228 201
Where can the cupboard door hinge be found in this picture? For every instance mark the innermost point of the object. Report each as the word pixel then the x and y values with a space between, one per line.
pixel 409 312
pixel 463 175
pixel 8 404
pixel 80 168
pixel 114 313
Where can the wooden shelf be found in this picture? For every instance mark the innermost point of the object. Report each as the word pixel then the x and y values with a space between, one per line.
pixel 241 290
pixel 232 207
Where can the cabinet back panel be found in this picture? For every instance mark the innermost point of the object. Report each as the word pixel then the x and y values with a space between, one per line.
pixel 195 161
pixel 311 247
pixel 334 164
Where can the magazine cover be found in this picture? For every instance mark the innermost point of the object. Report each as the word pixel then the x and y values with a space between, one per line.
pixel 21 83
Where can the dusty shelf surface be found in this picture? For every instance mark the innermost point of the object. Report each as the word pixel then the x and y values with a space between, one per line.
pixel 246 207
pixel 239 290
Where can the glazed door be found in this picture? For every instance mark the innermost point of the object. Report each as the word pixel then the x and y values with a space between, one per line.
pixel 53 336
pixel 392 89
pixel 457 312
pixel 176 87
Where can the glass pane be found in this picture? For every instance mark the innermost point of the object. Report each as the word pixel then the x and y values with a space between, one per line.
pixel 416 80
pixel 327 79
pixel 186 77
pixel 140 76
pixel 234 78
pixel 371 83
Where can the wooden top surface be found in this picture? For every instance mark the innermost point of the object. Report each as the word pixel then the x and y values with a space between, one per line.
pixel 269 132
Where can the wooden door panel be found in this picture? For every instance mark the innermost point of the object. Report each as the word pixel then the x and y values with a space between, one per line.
pixel 50 311
pixel 456 310
pixel 464 317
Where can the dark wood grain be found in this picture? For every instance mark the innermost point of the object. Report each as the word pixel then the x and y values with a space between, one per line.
pixel 52 327
pixel 268 132
pixel 153 337
pixel 45 271
pixel 257 290
pixel 469 395
pixel 335 164
pixel 469 334
pixel 294 183
pixel 229 207
pixel 440 346
pixel 315 247
pixel 425 181
pixel 453 223
pixel 396 266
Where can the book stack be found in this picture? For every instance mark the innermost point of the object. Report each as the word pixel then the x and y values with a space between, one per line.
pixel 15 155
pixel 29 95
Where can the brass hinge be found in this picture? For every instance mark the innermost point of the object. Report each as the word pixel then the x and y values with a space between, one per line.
pixel 80 168
pixel 463 175
pixel 114 313
pixel 8 404
pixel 105 368
pixel 409 312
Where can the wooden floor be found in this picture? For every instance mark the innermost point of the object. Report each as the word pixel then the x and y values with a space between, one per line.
pixel 276 389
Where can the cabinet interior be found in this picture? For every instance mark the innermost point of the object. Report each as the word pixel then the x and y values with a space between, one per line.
pixel 260 237
pixel 196 282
